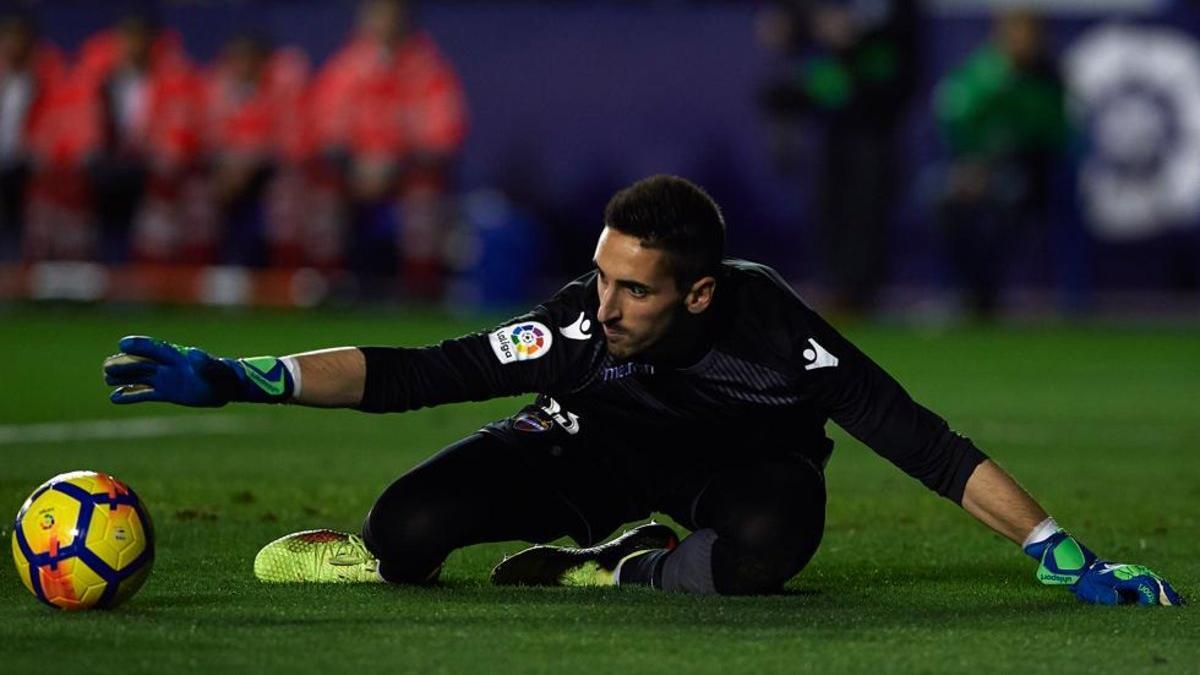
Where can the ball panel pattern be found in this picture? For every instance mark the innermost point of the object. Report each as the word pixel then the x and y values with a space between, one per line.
pixel 81 540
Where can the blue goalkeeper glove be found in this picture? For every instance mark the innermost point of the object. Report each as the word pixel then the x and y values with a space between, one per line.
pixel 1063 561
pixel 148 369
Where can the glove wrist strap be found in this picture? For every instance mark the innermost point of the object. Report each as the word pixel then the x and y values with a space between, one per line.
pixel 1040 533
pixel 261 379
pixel 1062 560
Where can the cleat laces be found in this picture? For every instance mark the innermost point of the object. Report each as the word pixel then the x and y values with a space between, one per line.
pixel 353 551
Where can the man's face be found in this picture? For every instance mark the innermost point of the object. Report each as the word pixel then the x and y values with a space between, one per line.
pixel 1020 38
pixel 244 61
pixel 16 43
pixel 639 299
pixel 384 20
pixel 135 39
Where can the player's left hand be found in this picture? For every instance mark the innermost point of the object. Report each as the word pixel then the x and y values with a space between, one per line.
pixel 1063 561
pixel 1106 583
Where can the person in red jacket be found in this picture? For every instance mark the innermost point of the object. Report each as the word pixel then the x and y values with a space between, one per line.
pixel 387 110
pixel 254 131
pixel 29 71
pixel 146 100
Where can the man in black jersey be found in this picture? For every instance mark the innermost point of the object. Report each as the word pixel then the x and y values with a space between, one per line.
pixel 668 379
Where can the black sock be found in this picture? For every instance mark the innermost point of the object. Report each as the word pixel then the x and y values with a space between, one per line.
pixel 644 568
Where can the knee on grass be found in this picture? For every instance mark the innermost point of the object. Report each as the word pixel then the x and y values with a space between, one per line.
pixel 758 554
pixel 406 540
pixel 706 563
pixel 754 572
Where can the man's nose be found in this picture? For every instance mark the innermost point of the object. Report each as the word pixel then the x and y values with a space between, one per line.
pixel 608 310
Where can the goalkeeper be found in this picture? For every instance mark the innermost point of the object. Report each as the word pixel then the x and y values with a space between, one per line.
pixel 669 380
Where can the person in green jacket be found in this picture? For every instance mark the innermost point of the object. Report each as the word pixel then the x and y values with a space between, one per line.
pixel 1001 113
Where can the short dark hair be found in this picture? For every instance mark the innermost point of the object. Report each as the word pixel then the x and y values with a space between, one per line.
pixel 677 216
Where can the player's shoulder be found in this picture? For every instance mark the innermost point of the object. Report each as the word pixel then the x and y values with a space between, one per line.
pixel 584 283
pixel 755 287
pixel 577 295
pixel 562 327
pixel 762 315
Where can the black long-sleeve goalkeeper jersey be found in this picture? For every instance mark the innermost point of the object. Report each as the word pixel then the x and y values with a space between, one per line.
pixel 770 373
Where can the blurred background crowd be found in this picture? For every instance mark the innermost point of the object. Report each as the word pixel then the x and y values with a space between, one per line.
pixel 882 153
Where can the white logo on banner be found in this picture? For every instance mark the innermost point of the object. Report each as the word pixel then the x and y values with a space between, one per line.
pixel 1137 89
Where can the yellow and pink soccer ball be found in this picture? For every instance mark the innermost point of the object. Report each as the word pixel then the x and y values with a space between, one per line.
pixel 82 540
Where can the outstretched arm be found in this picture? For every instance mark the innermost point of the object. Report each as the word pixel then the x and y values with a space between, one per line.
pixel 517 358
pixel 329 378
pixel 148 369
pixel 870 405
pixel 996 500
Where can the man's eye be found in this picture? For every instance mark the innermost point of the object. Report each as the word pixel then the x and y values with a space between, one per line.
pixel 637 291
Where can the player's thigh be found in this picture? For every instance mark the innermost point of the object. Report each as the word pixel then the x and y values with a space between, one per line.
pixel 594 467
pixel 476 490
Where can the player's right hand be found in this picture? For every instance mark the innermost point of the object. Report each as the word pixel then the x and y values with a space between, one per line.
pixel 148 369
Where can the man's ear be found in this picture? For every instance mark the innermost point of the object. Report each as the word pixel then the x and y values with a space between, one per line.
pixel 700 295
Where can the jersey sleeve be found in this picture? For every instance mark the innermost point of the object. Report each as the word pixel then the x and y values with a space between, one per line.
pixel 862 398
pixel 523 355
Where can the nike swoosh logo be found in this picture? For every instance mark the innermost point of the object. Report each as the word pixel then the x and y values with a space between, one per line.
pixel 579 330
pixel 261 378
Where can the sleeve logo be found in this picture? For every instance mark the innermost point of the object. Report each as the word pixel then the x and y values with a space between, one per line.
pixel 521 342
pixel 818 357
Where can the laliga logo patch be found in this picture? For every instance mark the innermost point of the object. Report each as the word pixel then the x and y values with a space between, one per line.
pixel 521 342
pixel 529 340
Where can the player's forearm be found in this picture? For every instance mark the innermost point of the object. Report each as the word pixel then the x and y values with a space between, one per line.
pixel 996 500
pixel 330 378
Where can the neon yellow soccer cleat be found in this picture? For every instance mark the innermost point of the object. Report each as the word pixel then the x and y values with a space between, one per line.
pixel 563 566
pixel 589 574
pixel 317 556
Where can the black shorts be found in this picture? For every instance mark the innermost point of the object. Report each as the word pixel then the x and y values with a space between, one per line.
pixel 611 474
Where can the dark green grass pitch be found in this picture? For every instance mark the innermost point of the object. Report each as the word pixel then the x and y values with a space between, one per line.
pixel 1100 424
